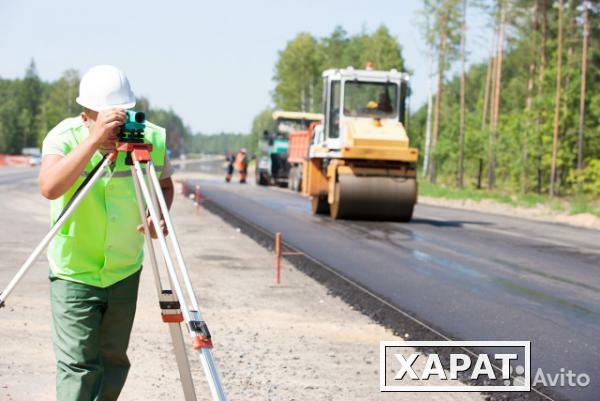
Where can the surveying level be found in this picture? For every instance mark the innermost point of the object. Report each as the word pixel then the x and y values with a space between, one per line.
pixel 133 129
pixel 179 302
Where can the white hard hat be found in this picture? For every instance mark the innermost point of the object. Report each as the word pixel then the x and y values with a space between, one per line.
pixel 104 87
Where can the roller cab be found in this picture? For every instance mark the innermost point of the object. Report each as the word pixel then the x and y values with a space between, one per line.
pixel 359 164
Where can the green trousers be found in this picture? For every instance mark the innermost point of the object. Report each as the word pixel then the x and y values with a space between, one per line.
pixel 90 330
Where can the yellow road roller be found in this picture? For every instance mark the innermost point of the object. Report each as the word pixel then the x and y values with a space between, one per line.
pixel 359 163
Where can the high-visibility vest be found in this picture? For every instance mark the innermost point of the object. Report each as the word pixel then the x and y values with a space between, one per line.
pixel 240 162
pixel 99 244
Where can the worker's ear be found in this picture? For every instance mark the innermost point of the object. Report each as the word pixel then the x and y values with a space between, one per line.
pixel 88 116
pixel 85 118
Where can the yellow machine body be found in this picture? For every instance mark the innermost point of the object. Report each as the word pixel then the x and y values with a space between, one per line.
pixel 367 170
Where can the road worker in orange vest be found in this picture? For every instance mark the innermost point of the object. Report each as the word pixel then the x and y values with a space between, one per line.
pixel 241 165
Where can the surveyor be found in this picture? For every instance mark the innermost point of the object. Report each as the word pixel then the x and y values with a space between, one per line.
pixel 95 259
pixel 229 161
pixel 241 164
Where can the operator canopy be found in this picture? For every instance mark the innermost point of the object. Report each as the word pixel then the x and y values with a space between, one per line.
pixel 104 87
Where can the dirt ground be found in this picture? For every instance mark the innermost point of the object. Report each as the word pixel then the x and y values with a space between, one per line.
pixel 287 342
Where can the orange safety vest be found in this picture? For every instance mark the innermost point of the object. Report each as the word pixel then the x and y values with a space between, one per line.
pixel 240 162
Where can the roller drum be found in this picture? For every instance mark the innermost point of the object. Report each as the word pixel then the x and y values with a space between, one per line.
pixel 374 198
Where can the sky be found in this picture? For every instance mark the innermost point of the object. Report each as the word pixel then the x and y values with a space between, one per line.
pixel 212 62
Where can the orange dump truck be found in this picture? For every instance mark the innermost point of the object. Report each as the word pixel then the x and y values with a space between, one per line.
pixel 297 153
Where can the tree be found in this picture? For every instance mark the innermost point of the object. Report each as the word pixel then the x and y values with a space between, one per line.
pixel 526 92
pixel 461 141
pixel 300 65
pixel 383 50
pixel 495 112
pixel 262 122
pixel 177 131
pixel 334 49
pixel 59 102
pixel 534 26
pixel 30 100
pixel 557 99
pixel 584 60
pixel 296 73
pixel 10 139
pixel 443 35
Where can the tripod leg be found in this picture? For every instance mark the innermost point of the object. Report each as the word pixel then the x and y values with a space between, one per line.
pixel 57 225
pixel 182 362
pixel 197 328
pixel 204 352
pixel 185 374
pixel 147 238
pixel 153 179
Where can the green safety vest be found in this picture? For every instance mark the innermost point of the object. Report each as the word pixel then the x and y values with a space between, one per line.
pixel 99 244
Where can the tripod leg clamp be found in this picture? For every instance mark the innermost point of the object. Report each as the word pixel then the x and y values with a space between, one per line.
pixel 169 307
pixel 199 328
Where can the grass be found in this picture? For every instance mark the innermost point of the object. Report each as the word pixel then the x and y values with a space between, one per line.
pixel 571 205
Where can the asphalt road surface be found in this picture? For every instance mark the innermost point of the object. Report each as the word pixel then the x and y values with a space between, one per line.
pixel 473 276
pixel 16 175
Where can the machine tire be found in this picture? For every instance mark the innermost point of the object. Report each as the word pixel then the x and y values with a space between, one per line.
pixel 262 179
pixel 292 182
pixel 319 204
pixel 295 179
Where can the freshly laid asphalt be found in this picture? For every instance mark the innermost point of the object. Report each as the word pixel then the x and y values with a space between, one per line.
pixel 472 276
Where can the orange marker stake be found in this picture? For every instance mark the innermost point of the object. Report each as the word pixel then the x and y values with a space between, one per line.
pixel 197 198
pixel 278 258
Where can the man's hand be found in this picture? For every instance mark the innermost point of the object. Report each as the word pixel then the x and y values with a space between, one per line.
pixel 163 227
pixel 106 127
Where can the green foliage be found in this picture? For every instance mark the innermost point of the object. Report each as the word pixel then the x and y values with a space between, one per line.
pixel 10 141
pixel 59 102
pixel 297 74
pixel 177 131
pixel 29 108
pixel 588 179
pixel 262 122
pixel 524 139
pixel 299 67
pixel 219 143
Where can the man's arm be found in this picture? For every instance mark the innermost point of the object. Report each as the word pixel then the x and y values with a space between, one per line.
pixel 168 190
pixel 58 173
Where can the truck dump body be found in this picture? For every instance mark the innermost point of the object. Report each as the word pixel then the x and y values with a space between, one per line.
pixel 298 147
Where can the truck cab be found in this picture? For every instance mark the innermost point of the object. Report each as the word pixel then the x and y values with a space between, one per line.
pixel 272 167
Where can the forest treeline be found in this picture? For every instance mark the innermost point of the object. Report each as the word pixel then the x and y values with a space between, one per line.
pixel 221 143
pixel 526 119
pixel 30 107
pixel 523 120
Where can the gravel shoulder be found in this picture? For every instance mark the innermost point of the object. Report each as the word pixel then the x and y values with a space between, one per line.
pixel 289 342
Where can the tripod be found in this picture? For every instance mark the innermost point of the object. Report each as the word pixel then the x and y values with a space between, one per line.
pixel 179 303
